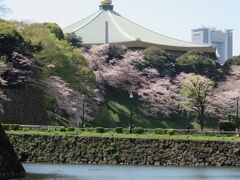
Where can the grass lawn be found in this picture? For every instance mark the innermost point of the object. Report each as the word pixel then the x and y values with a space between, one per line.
pixel 125 135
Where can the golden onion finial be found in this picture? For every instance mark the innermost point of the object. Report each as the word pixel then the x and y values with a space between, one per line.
pixel 106 2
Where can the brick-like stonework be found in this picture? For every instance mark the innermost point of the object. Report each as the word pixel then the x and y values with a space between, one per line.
pixel 96 150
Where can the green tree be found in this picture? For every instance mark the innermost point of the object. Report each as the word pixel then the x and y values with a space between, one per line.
pixel 55 29
pixel 59 58
pixel 116 52
pixel 196 62
pixel 196 90
pixel 73 40
pixel 10 39
pixel 159 59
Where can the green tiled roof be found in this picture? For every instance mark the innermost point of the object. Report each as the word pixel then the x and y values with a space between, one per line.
pixel 124 31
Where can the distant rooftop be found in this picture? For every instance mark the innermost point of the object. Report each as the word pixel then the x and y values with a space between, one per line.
pixel 107 26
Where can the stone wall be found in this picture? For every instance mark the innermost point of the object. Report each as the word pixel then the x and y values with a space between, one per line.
pixel 10 166
pixel 26 106
pixel 93 150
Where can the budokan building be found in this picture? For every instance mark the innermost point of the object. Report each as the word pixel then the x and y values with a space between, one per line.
pixel 108 27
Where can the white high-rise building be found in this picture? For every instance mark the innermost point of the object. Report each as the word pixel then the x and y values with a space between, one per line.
pixel 221 39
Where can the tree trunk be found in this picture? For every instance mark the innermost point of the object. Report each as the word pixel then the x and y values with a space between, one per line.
pixel 202 123
pixel 201 117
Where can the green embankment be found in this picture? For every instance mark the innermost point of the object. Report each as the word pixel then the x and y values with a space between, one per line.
pixel 116 113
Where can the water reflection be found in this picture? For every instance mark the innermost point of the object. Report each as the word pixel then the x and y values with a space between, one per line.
pixel 89 172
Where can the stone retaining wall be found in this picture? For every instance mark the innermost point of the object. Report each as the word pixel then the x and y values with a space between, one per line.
pixel 26 107
pixel 96 150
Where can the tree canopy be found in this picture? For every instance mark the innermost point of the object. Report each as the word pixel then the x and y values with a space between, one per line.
pixel 160 83
pixel 59 58
pixel 196 91
pixel 10 39
pixel 158 58
pixel 37 55
pixel 55 29
pixel 197 62
pixel 73 40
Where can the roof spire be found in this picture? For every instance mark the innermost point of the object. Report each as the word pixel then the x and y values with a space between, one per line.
pixel 106 5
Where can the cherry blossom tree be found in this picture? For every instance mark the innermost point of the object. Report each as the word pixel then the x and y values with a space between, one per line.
pixel 114 72
pixel 196 91
pixel 71 101
pixel 3 67
pixel 129 74
pixel 124 73
pixel 224 96
pixel 160 96
pixel 17 70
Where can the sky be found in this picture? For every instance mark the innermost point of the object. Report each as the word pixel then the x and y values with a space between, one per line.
pixel 173 18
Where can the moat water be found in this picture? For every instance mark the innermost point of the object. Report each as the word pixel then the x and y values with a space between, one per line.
pixel 96 172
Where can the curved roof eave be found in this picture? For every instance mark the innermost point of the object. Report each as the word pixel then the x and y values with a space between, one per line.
pixel 142 44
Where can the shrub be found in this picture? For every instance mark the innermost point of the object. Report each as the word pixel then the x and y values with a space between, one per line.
pixel 233 61
pixel 170 132
pixel 15 127
pixel 159 131
pixel 62 129
pixel 100 130
pixel 71 129
pixel 226 126
pixel 6 127
pixel 125 130
pixel 231 117
pixel 119 130
pixel 139 130
pixel 42 129
pixel 51 129
pixel 88 129
pixel 25 129
pixel 82 129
